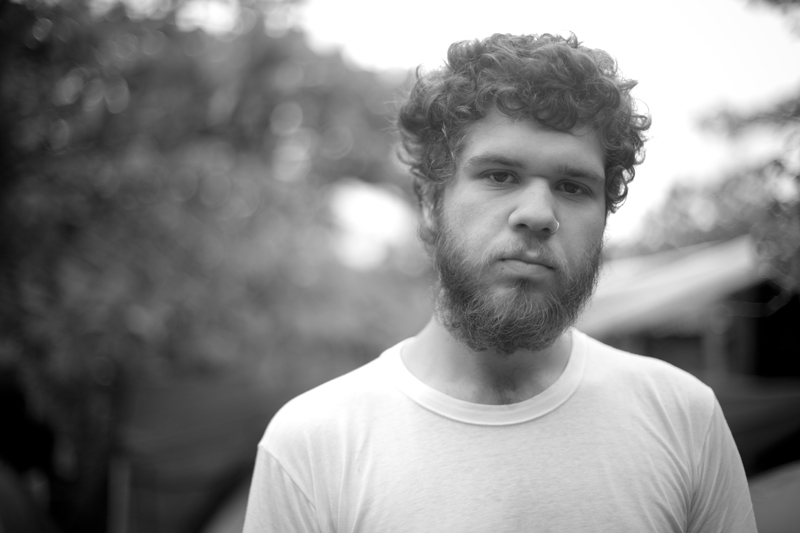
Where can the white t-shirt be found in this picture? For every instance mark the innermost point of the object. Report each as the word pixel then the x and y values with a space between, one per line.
pixel 620 443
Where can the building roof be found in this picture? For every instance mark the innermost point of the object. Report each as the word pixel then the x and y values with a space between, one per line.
pixel 677 289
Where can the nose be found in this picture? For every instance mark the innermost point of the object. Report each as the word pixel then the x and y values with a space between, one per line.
pixel 534 208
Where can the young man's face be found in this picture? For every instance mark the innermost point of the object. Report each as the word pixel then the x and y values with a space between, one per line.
pixel 520 233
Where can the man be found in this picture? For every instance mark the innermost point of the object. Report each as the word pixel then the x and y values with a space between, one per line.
pixel 498 416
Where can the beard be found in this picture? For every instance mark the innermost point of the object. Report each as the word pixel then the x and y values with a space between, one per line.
pixel 526 317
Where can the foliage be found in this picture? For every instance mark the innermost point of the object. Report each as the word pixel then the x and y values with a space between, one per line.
pixel 760 200
pixel 790 9
pixel 164 210
pixel 763 200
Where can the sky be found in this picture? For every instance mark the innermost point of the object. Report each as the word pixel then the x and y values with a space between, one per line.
pixel 691 57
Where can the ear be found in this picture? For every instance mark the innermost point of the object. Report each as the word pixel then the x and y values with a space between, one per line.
pixel 428 213
pixel 428 218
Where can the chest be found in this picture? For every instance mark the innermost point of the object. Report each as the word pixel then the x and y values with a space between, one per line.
pixel 553 475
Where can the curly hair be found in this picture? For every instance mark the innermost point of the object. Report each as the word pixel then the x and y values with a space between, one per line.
pixel 552 80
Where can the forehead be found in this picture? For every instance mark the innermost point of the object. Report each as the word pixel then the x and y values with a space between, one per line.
pixel 529 142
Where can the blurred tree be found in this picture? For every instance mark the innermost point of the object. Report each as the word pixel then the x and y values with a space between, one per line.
pixel 763 200
pixel 789 8
pixel 163 210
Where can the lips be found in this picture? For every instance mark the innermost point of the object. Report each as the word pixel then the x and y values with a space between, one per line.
pixel 530 259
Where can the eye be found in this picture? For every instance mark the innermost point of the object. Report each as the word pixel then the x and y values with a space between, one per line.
pixel 500 177
pixel 573 188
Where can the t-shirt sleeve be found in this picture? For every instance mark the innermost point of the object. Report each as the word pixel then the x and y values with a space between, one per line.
pixel 721 500
pixel 275 502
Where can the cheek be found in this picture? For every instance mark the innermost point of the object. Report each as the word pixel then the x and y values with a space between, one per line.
pixel 596 228
pixel 586 232
pixel 472 226
pixel 591 219
pixel 470 209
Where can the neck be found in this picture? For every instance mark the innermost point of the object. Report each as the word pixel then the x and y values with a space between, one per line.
pixel 440 361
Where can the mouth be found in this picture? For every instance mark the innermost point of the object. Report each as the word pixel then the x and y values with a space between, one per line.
pixel 529 260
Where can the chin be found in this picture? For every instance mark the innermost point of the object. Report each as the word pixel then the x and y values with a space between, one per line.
pixel 524 289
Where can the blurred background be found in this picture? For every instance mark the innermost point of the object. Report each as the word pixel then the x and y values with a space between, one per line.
pixel 202 215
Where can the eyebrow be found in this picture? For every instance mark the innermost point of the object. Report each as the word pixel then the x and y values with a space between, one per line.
pixel 493 159
pixel 570 171
pixel 564 169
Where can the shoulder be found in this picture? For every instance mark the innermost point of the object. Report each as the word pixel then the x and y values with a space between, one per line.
pixel 648 382
pixel 639 370
pixel 331 398
pixel 331 409
pixel 318 430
